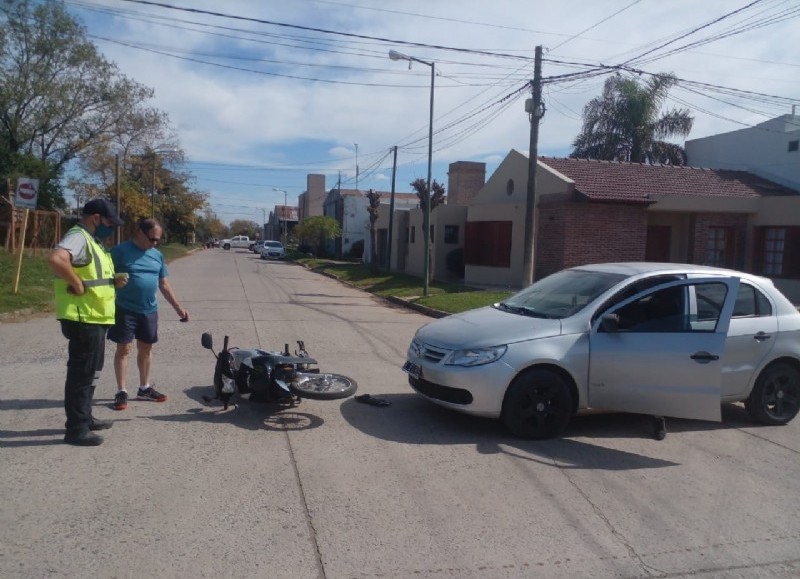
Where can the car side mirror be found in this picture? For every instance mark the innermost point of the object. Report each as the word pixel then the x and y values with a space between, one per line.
pixel 610 323
pixel 207 341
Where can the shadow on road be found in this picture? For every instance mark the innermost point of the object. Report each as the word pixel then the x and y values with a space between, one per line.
pixel 411 420
pixel 242 413
pixel 17 435
pixel 31 404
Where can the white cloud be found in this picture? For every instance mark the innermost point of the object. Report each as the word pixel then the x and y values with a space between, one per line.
pixel 245 118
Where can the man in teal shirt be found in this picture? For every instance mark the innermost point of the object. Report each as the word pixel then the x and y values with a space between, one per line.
pixel 137 307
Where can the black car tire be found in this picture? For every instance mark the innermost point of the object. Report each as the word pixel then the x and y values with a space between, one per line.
pixel 226 246
pixel 775 398
pixel 538 404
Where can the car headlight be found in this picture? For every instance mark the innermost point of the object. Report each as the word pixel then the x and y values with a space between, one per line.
pixel 476 357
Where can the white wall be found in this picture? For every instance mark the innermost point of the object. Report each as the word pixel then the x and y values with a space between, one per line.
pixel 762 150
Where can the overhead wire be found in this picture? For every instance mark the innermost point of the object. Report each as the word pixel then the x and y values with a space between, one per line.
pixel 471 121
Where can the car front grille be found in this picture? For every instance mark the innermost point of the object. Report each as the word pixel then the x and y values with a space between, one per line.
pixel 430 353
pixel 439 392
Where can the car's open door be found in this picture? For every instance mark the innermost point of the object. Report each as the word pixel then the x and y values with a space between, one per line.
pixel 660 352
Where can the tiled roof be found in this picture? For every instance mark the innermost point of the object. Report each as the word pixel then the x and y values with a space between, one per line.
pixel 641 183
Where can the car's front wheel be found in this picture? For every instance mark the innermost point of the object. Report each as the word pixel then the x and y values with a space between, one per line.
pixel 775 398
pixel 538 404
pixel 226 246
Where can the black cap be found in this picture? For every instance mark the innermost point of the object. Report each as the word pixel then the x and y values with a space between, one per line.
pixel 103 208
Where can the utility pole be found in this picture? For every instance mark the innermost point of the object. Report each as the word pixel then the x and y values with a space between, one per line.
pixel 356 145
pixel 535 109
pixel 391 214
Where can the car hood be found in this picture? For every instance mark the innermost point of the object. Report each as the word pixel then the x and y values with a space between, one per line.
pixel 486 327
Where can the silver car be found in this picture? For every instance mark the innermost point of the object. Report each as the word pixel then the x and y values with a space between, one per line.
pixel 661 339
pixel 273 250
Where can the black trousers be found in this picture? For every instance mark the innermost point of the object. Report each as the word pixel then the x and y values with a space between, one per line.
pixel 87 346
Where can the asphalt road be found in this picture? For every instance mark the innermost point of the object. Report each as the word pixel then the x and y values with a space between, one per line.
pixel 338 489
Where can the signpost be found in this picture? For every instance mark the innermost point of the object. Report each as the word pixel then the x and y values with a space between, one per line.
pixel 27 193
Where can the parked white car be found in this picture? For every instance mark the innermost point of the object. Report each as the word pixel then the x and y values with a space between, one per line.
pixel 661 339
pixel 273 250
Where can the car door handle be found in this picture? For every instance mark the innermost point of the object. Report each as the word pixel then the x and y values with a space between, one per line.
pixel 704 357
pixel 761 336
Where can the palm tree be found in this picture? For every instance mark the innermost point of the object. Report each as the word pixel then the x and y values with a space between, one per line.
pixel 625 124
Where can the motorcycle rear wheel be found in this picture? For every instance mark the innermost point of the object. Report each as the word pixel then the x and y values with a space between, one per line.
pixel 323 386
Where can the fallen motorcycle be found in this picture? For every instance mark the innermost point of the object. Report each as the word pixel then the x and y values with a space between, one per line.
pixel 275 377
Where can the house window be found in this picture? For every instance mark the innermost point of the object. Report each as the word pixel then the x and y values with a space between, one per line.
pixel 774 244
pixel 778 251
pixel 451 233
pixel 718 246
pixel 488 243
pixel 793 146
pixel 413 233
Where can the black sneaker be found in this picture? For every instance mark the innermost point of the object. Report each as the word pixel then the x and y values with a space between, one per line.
pixel 98 424
pixel 151 394
pixel 121 400
pixel 86 438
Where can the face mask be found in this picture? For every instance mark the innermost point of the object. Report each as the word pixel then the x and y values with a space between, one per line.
pixel 103 231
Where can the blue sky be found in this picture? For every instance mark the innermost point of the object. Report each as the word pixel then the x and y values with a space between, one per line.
pixel 262 93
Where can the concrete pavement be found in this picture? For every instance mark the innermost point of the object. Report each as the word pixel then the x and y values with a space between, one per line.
pixel 340 489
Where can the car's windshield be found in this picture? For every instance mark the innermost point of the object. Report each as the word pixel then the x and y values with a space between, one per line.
pixel 273 244
pixel 560 295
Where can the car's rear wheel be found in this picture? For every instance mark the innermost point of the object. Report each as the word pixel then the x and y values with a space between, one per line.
pixel 775 398
pixel 538 404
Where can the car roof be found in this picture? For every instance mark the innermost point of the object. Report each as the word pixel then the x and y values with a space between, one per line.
pixel 632 268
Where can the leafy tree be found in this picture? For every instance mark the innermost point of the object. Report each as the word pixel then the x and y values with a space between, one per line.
pixel 625 123
pixel 420 187
pixel 374 198
pixel 317 230
pixel 245 227
pixel 208 225
pixel 58 95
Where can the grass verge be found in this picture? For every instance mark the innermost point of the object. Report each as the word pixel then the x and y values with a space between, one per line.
pixel 445 297
pixel 35 293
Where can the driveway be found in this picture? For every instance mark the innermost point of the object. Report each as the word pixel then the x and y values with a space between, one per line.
pixel 338 489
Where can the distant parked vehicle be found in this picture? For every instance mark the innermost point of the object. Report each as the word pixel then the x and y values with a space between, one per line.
pixel 273 250
pixel 258 245
pixel 237 242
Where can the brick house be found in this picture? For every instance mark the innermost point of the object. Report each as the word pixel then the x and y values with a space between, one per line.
pixel 595 211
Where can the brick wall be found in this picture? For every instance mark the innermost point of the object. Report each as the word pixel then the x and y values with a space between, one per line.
pixel 464 180
pixel 573 234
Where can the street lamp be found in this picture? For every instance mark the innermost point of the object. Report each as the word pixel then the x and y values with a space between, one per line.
pixel 426 214
pixel 284 212
pixel 263 223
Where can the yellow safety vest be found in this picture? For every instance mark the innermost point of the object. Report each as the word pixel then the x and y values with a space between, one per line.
pixel 96 305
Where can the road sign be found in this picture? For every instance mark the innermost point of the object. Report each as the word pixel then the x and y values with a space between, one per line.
pixel 27 192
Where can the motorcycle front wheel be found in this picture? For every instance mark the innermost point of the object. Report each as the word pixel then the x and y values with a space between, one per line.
pixel 323 386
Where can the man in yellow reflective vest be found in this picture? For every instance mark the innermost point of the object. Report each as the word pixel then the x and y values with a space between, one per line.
pixel 84 292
